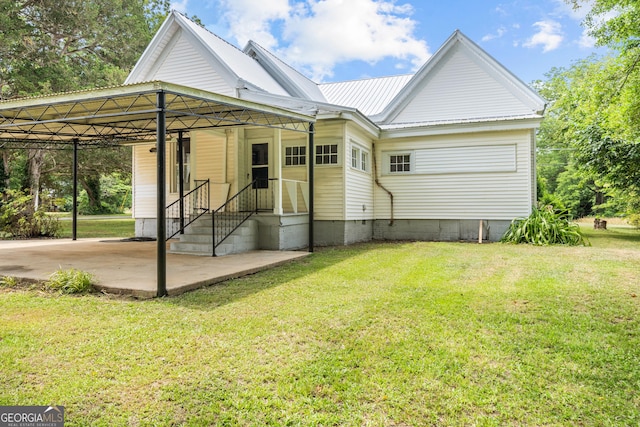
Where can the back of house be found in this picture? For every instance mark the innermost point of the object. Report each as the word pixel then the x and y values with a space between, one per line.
pixel 447 153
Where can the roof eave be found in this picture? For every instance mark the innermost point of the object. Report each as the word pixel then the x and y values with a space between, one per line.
pixel 461 126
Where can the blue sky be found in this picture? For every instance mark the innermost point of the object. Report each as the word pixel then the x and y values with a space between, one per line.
pixel 337 40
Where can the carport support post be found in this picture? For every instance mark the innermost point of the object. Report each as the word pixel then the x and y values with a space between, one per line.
pixel 74 209
pixel 161 248
pixel 181 180
pixel 311 163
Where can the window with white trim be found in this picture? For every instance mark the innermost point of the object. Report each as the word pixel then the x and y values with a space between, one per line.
pixel 364 161
pixel 186 163
pixel 399 163
pixel 327 154
pixel 359 158
pixel 295 156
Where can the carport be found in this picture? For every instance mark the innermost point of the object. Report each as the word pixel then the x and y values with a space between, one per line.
pixel 138 113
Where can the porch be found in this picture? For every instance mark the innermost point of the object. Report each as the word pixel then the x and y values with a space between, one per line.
pixel 128 267
pixel 139 114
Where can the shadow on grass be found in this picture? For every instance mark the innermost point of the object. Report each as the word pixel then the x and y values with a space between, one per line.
pixel 220 294
pixel 614 237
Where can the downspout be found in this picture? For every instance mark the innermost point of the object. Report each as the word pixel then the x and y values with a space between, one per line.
pixel 375 177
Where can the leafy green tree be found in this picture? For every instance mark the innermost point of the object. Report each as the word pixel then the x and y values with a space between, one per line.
pixel 608 114
pixel 64 45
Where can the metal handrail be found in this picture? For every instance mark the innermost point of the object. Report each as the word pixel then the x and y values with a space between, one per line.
pixel 236 211
pixel 198 204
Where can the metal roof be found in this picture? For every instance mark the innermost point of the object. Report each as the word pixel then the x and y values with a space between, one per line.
pixel 369 96
pixel 127 114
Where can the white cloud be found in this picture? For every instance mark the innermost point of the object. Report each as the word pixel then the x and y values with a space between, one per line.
pixel 251 20
pixel 498 34
pixel 549 36
pixel 180 6
pixel 586 41
pixel 316 35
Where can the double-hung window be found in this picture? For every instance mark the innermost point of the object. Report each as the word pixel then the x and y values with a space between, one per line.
pixel 359 158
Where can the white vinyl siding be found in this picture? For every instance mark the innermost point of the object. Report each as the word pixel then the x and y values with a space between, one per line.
pixel 186 65
pixel 487 158
pixel 358 182
pixel 145 185
pixel 209 155
pixel 328 194
pixel 473 187
pixel 460 88
pixel 329 189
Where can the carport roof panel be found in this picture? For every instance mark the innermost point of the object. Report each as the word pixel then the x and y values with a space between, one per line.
pixel 128 113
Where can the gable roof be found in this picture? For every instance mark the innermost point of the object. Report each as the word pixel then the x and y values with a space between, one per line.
pixel 297 84
pixel 235 67
pixel 460 83
pixel 466 77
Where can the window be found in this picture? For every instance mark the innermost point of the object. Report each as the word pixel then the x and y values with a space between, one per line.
pixel 364 161
pixel 355 155
pixel 295 156
pixel 186 157
pixel 359 158
pixel 399 163
pixel 327 154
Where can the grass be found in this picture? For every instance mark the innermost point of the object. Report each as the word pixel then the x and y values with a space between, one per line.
pixel 89 227
pixel 369 335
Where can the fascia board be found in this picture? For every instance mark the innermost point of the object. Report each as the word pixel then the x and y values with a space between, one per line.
pixel 224 70
pixel 321 110
pixel 404 96
pixel 457 128
pixel 527 95
pixel 167 29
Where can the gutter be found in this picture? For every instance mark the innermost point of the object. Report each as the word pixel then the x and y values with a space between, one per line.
pixel 375 178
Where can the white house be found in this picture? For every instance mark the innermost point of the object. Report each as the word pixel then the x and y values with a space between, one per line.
pixel 444 154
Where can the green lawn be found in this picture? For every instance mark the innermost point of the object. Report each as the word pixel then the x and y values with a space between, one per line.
pixel 90 227
pixel 404 334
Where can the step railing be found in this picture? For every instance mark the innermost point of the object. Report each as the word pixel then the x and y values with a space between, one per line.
pixel 184 211
pixel 235 211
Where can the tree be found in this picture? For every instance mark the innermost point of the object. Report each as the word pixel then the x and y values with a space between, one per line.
pixel 67 45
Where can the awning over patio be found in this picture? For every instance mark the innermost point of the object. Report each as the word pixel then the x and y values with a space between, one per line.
pixel 128 113
pixel 143 112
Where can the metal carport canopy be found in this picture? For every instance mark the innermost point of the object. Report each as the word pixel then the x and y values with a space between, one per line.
pixel 139 113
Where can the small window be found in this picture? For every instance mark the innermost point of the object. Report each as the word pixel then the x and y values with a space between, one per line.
pixel 364 162
pixel 359 158
pixel 327 154
pixel 186 164
pixel 295 156
pixel 399 163
pixel 355 154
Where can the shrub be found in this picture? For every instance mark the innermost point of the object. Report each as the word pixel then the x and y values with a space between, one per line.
pixel 544 226
pixel 20 220
pixel 70 281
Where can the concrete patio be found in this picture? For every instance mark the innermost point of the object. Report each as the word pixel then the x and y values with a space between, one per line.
pixel 129 267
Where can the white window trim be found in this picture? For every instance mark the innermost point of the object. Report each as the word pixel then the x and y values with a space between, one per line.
pixel 339 153
pixel 387 162
pixel 173 168
pixel 360 151
pixel 284 156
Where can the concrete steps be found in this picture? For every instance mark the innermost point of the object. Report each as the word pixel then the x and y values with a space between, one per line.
pixel 198 237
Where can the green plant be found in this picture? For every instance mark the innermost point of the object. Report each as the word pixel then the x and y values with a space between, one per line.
pixel 19 219
pixel 70 281
pixel 9 282
pixel 544 226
